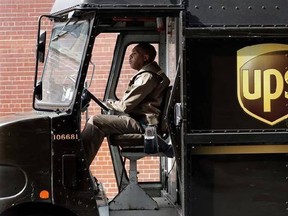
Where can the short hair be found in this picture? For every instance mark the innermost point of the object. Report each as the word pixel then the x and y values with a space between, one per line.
pixel 148 49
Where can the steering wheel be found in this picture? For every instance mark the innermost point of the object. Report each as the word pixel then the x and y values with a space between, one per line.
pixel 88 94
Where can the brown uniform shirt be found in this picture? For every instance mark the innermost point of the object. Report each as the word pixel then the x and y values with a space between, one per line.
pixel 144 95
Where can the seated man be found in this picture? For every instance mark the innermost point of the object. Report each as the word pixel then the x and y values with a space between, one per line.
pixel 140 104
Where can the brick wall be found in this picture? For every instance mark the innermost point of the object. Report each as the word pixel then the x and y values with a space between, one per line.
pixel 18 29
pixel 17 45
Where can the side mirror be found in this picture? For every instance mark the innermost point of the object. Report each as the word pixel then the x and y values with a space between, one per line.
pixel 41 46
pixel 38 91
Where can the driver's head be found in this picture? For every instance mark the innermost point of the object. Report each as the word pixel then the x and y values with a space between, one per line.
pixel 142 54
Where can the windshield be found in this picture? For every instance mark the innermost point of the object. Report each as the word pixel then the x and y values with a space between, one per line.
pixel 62 65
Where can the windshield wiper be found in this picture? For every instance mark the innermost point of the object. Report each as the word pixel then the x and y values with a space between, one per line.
pixel 62 32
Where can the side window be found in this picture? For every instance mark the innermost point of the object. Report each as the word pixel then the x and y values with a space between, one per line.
pixel 126 72
pixel 172 59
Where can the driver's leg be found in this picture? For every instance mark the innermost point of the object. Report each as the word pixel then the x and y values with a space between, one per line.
pixel 100 126
pixel 92 138
pixel 116 124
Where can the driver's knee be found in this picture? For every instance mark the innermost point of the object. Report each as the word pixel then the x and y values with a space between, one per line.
pixel 101 121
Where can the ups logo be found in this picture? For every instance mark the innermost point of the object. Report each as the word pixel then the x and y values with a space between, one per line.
pixel 262 78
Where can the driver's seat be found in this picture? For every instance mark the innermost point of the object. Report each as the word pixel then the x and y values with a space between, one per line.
pixel 132 147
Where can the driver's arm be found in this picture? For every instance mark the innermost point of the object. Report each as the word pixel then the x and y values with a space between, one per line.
pixel 142 86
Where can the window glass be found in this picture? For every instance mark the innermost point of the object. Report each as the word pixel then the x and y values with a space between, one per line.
pixel 63 63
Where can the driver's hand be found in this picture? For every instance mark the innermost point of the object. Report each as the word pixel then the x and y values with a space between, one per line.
pixel 110 100
pixel 109 103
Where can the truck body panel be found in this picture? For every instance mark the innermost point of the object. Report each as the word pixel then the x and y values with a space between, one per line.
pixel 226 115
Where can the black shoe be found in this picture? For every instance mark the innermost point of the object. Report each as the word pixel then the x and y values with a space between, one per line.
pixel 169 152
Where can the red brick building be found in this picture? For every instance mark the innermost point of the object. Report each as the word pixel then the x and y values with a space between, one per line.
pixel 18 29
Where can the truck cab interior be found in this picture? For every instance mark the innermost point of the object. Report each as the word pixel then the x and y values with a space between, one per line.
pixel 130 146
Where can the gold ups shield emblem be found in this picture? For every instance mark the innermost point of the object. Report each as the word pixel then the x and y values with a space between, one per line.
pixel 262 78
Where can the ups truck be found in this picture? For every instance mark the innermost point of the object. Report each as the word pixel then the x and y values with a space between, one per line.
pixel 225 111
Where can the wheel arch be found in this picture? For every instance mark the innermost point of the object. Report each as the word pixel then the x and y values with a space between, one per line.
pixel 37 209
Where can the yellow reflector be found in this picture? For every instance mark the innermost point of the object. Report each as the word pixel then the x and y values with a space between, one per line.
pixel 44 194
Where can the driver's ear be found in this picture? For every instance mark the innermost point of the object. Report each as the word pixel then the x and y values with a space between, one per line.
pixel 145 57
